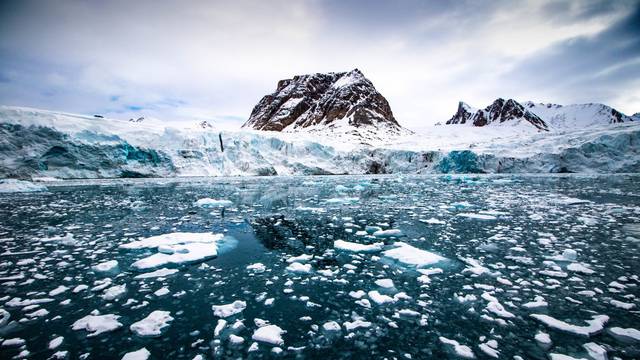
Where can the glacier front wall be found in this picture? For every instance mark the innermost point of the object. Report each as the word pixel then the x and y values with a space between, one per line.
pixel 29 151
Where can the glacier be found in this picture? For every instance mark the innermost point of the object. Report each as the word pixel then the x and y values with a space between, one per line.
pixel 45 144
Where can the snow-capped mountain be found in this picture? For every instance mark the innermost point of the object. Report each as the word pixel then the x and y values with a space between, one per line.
pixel 500 111
pixel 542 116
pixel 345 102
pixel 576 116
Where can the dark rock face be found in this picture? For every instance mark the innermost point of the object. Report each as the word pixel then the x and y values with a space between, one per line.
pixel 498 112
pixel 321 100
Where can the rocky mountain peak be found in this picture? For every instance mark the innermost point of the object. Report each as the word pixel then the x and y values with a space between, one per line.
pixel 499 111
pixel 318 102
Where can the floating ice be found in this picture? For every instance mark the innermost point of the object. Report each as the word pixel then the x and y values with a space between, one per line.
pixel 595 351
pixel 412 256
pixel 152 325
pixel 297 267
pixel 97 324
pixel 477 216
pixel 344 200
pixel 462 351
pixel 164 272
pixel 55 342
pixel 385 283
pixel 257 268
pixel 270 334
pixel 625 334
pixel 433 221
pixel 596 324
pixel 59 290
pixel 105 266
pixel 176 248
pixel 17 186
pixel 142 354
pixel 380 299
pixel 387 233
pixel 211 203
pixel 114 292
pixel 227 310
pixel 355 247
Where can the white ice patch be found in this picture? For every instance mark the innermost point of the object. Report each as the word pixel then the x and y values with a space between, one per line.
pixel 477 216
pixel 297 267
pixel 270 334
pixel 105 266
pixel 97 324
pixel 153 324
pixel 16 186
pixel 227 310
pixel 176 248
pixel 142 354
pixel 412 256
pixel 164 272
pixel 625 334
pixel 462 351
pixel 387 233
pixel 211 203
pixel 257 268
pixel 355 247
pixel 595 325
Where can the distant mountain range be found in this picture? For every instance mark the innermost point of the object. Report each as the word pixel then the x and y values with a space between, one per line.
pixel 544 117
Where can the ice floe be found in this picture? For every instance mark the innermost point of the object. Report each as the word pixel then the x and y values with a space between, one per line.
pixel 153 324
pixel 227 310
pixel 595 325
pixel 97 324
pixel 412 256
pixel 355 247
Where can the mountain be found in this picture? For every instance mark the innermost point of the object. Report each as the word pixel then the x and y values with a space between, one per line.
pixel 578 115
pixel 333 102
pixel 500 111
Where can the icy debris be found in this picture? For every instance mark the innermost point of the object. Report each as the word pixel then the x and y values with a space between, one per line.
pixel 474 267
pixel 625 334
pixel 622 304
pixel 97 324
pixel 153 324
pixel 579 268
pixel 59 290
pixel 270 334
pixel 380 299
pixel 596 324
pixel 211 203
pixel 164 272
pixel 344 200
pixel 227 310
pixel 16 186
pixel 388 233
pixel 142 354
pixel 14 342
pixel 176 248
pixel 331 327
pixel 433 221
pixel 495 307
pixel 300 258
pixel 385 283
pixel 357 294
pixel 162 291
pixel 555 356
pixel 297 267
pixel 105 266
pixel 477 216
pixel 352 325
pixel 537 302
pixel 355 247
pixel 235 339
pixel 544 340
pixel 412 256
pixel 55 342
pixel 569 201
pixel 595 351
pixel 114 292
pixel 462 351
pixel 257 268
pixel 490 348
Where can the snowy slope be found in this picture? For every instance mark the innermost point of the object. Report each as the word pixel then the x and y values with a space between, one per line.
pixel 37 143
pixel 576 116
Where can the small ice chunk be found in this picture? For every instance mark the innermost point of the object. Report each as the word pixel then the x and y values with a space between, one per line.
pixel 297 267
pixel 164 272
pixel 59 290
pixel 142 354
pixel 477 216
pixel 105 266
pixel 380 299
pixel 212 203
pixel 97 324
pixel 595 325
pixel 153 324
pixel 409 255
pixel 55 342
pixel 355 247
pixel 257 268
pixel 227 310
pixel 385 283
pixel 331 326
pixel 162 291
pixel 579 268
pixel 271 334
pixel 114 292
pixel 595 351
pixel 625 334
pixel 462 351
pixel 387 233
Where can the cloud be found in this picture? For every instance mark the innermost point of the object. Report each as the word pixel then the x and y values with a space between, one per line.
pixel 215 60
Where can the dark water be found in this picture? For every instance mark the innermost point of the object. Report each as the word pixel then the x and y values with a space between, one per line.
pixel 532 222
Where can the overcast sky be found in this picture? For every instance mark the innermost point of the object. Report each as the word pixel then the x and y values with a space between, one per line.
pixel 188 60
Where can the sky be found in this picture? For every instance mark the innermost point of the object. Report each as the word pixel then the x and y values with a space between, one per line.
pixel 214 60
